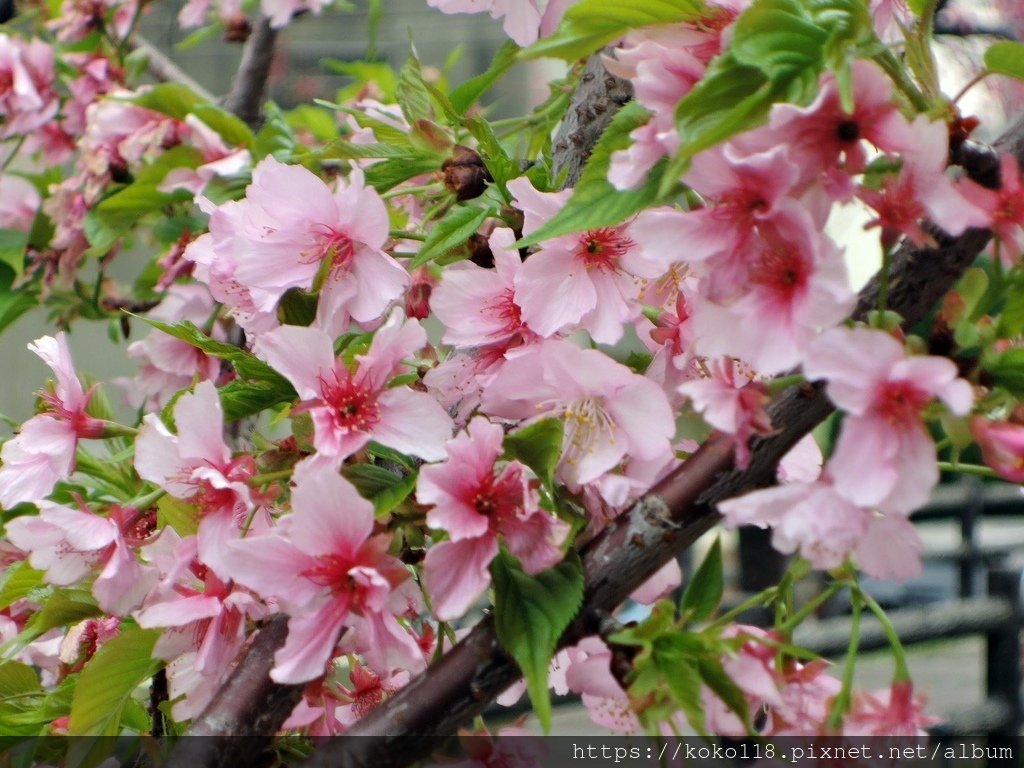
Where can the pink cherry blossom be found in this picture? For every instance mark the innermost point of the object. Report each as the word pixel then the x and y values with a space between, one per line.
pixel 796 285
pixel 806 698
pixel 807 517
pixel 328 709
pixel 196 465
pixel 351 408
pixel 291 230
pixel 324 567
pixel 477 305
pixel 27 96
pixel 884 458
pixel 589 674
pixel 752 668
pixel 525 20
pixel 1002 446
pixel 589 280
pixel 608 411
pixel 740 191
pixel 895 711
pixel 823 132
pixel 43 452
pixel 168 364
pixel 734 407
pixel 1005 207
pixel 19 203
pixel 922 190
pixel 203 613
pixel 70 545
pixel 475 502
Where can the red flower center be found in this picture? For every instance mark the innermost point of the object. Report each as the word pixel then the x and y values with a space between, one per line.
pixel 900 402
pixel 602 248
pixel 353 407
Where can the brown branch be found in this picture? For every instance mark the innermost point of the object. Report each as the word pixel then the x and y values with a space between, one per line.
pixel 165 70
pixel 240 721
pixel 596 100
pixel 249 89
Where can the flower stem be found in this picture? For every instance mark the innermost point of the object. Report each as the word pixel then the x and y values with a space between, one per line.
pixel 842 701
pixel 899 655
pixel 967 469
pixel 269 477
pixel 147 501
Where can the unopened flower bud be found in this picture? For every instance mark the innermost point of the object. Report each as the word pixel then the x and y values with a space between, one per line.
pixel 465 175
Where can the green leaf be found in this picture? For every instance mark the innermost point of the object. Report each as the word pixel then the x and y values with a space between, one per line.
pixel 171 99
pixel 346 150
pixel 538 446
pixel 384 488
pixel 17 582
pixel 67 605
pixel 180 515
pixel 725 688
pixel 1011 321
pixel 390 173
pixel 12 249
pixel 14 302
pixel 778 50
pixel 591 24
pixel 458 225
pixel 595 203
pixel 1007 368
pixel 275 137
pixel 241 399
pixel 468 93
pixel 1006 58
pixel 248 365
pixel 412 94
pixel 530 614
pixel 120 666
pixel 675 659
pixel 704 591
pixel 229 127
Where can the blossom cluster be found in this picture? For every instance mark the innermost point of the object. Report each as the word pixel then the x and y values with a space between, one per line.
pixel 376 484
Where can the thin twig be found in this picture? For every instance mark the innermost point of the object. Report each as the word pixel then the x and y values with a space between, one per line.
pixel 165 70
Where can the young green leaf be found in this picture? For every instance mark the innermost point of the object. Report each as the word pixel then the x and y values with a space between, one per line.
pixel 468 93
pixel 12 249
pixel 1006 58
pixel 595 203
pixel 675 657
pixel 530 614
pixel 538 446
pixel 591 24
pixel 704 591
pixel 458 225
pixel 384 488
pixel 120 666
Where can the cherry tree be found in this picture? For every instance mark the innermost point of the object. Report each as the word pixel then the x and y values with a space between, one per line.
pixel 424 398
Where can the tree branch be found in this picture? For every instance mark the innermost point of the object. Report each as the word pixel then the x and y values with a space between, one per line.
pixel 597 99
pixel 249 89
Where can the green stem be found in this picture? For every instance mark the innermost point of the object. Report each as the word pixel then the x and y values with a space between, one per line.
pixel 898 653
pixel 812 605
pixel 967 469
pixel 14 154
pixel 269 477
pixel 785 382
pixel 751 602
pixel 113 429
pixel 399 191
pixel 887 60
pixel 401 234
pixel 842 701
pixel 147 501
